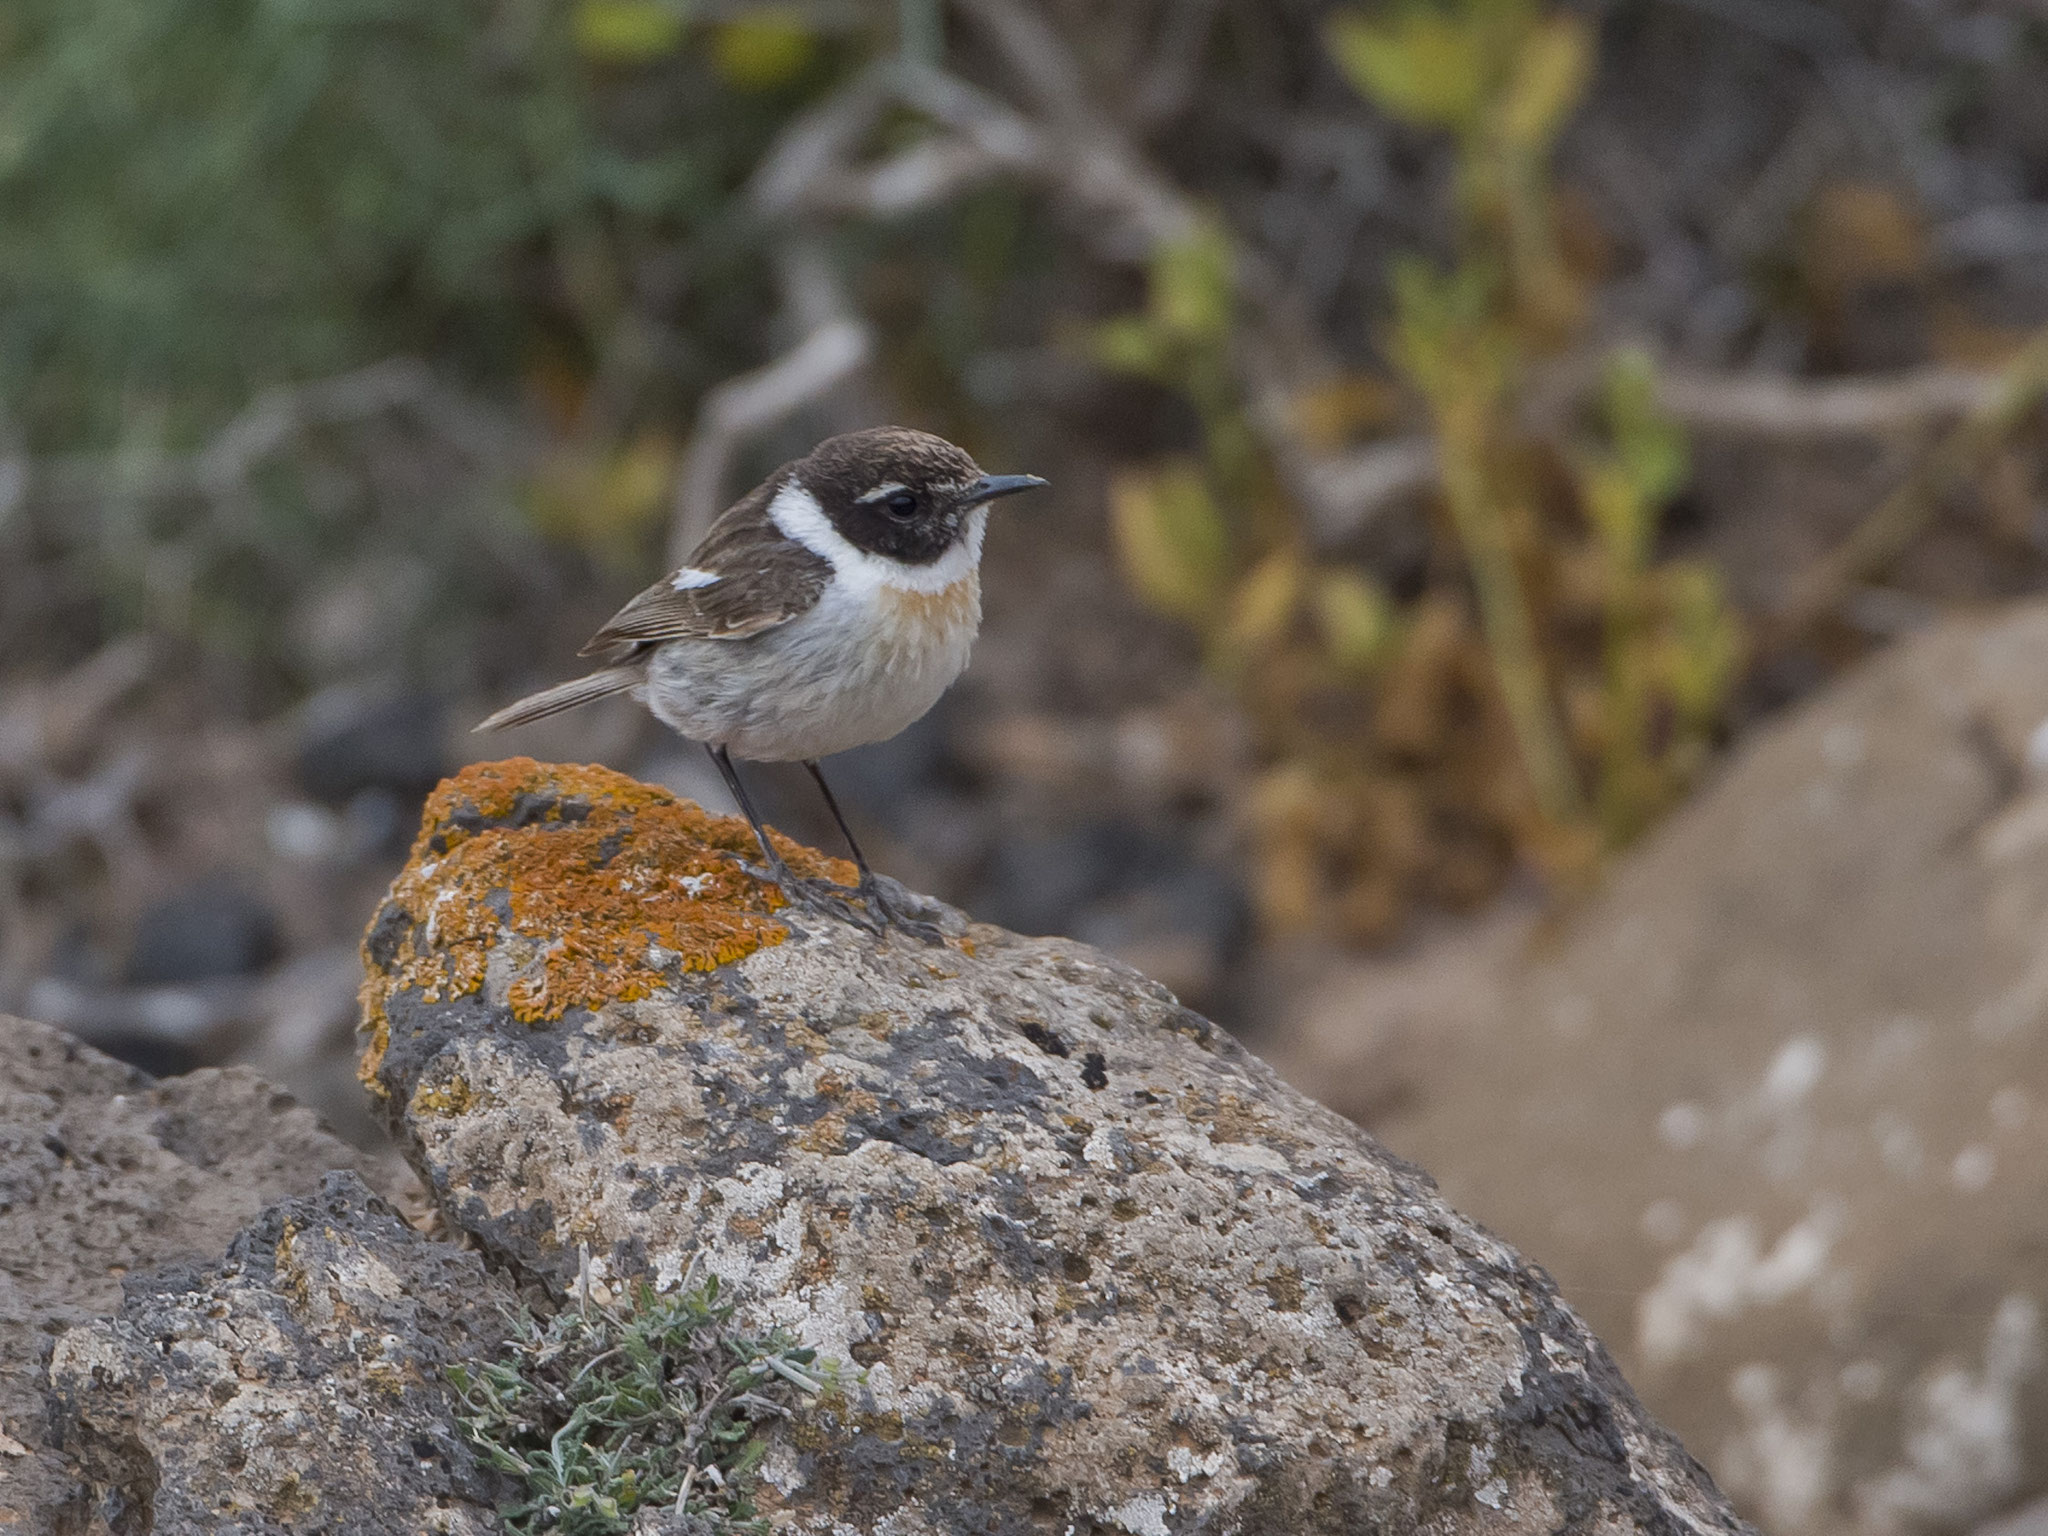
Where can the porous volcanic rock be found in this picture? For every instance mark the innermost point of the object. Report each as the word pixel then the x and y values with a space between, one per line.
pixel 105 1172
pixel 296 1385
pixel 1089 1267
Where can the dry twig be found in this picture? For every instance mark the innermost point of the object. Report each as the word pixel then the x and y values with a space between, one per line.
pixel 1803 410
pixel 275 417
pixel 1883 536
pixel 1067 144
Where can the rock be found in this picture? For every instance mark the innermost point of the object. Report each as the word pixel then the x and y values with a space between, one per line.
pixel 1037 880
pixel 296 1385
pixel 1086 1264
pixel 354 740
pixel 214 927
pixel 1134 891
pixel 104 1173
pixel 2032 1520
pixel 1186 927
pixel 877 783
pixel 1774 1106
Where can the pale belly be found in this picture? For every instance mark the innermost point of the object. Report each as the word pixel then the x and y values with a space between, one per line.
pixel 841 676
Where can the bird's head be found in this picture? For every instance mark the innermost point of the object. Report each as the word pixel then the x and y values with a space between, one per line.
pixel 901 493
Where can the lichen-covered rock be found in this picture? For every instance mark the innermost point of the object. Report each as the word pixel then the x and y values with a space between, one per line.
pixel 1090 1266
pixel 296 1385
pixel 104 1172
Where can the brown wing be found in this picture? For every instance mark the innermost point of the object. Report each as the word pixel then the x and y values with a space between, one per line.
pixel 763 579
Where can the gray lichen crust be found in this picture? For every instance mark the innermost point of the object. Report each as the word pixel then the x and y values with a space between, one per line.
pixel 105 1173
pixel 296 1385
pixel 1093 1267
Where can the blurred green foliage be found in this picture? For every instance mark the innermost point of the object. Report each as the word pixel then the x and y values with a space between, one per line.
pixel 198 197
pixel 205 200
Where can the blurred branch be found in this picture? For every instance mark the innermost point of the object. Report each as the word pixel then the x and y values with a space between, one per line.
pixel 1131 210
pixel 40 727
pixel 1095 165
pixel 1355 488
pixel 920 30
pixel 1066 144
pixel 1868 94
pixel 1999 235
pixel 1799 410
pixel 837 346
pixel 810 173
pixel 1064 141
pixel 1898 519
pixel 280 414
pixel 1358 487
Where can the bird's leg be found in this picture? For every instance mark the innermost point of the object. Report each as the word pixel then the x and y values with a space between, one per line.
pixel 815 894
pixel 860 860
pixel 870 888
pixel 774 869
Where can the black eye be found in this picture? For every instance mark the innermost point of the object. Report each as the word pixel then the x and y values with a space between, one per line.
pixel 902 503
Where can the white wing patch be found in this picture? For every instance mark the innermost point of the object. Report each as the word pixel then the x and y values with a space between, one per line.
pixel 689 578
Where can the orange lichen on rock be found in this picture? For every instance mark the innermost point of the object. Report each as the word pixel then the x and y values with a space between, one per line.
pixel 610 886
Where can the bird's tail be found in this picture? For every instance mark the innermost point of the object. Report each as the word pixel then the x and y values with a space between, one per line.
pixel 552 701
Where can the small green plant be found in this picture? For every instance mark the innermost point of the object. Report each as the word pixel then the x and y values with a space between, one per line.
pixel 1502 77
pixel 600 1412
pixel 1671 646
pixel 1185 525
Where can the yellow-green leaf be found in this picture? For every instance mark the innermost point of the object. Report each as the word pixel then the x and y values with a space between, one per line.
pixel 1425 67
pixel 1264 603
pixel 1191 285
pixel 1551 69
pixel 1617 510
pixel 1651 446
pixel 1704 653
pixel 1448 337
pixel 626 31
pixel 1171 539
pixel 763 50
pixel 1129 344
pixel 601 500
pixel 1355 619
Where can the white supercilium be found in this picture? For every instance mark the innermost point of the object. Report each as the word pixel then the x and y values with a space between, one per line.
pixel 797 513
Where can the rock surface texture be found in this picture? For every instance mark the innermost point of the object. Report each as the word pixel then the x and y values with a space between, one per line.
pixel 1089 1266
pixel 105 1173
pixel 296 1385
pixel 1774 1106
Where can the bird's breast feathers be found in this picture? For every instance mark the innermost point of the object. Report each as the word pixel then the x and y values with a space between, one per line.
pixel 911 619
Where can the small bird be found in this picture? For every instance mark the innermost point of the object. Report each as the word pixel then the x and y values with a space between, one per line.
pixel 826 609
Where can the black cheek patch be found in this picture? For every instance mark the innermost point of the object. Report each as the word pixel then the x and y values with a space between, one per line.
pixel 916 540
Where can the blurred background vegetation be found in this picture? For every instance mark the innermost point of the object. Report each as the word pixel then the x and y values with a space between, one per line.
pixel 1467 420
pixel 354 357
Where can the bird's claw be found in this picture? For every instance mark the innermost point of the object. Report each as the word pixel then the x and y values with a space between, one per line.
pixel 889 905
pixel 877 904
pixel 822 896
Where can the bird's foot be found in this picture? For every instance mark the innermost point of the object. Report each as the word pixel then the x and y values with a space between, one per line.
pixel 892 902
pixel 828 898
pixel 878 904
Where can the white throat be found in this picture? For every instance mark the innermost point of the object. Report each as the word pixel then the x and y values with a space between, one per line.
pixel 796 512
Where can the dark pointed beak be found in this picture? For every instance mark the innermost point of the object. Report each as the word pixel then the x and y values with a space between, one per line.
pixel 989 487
